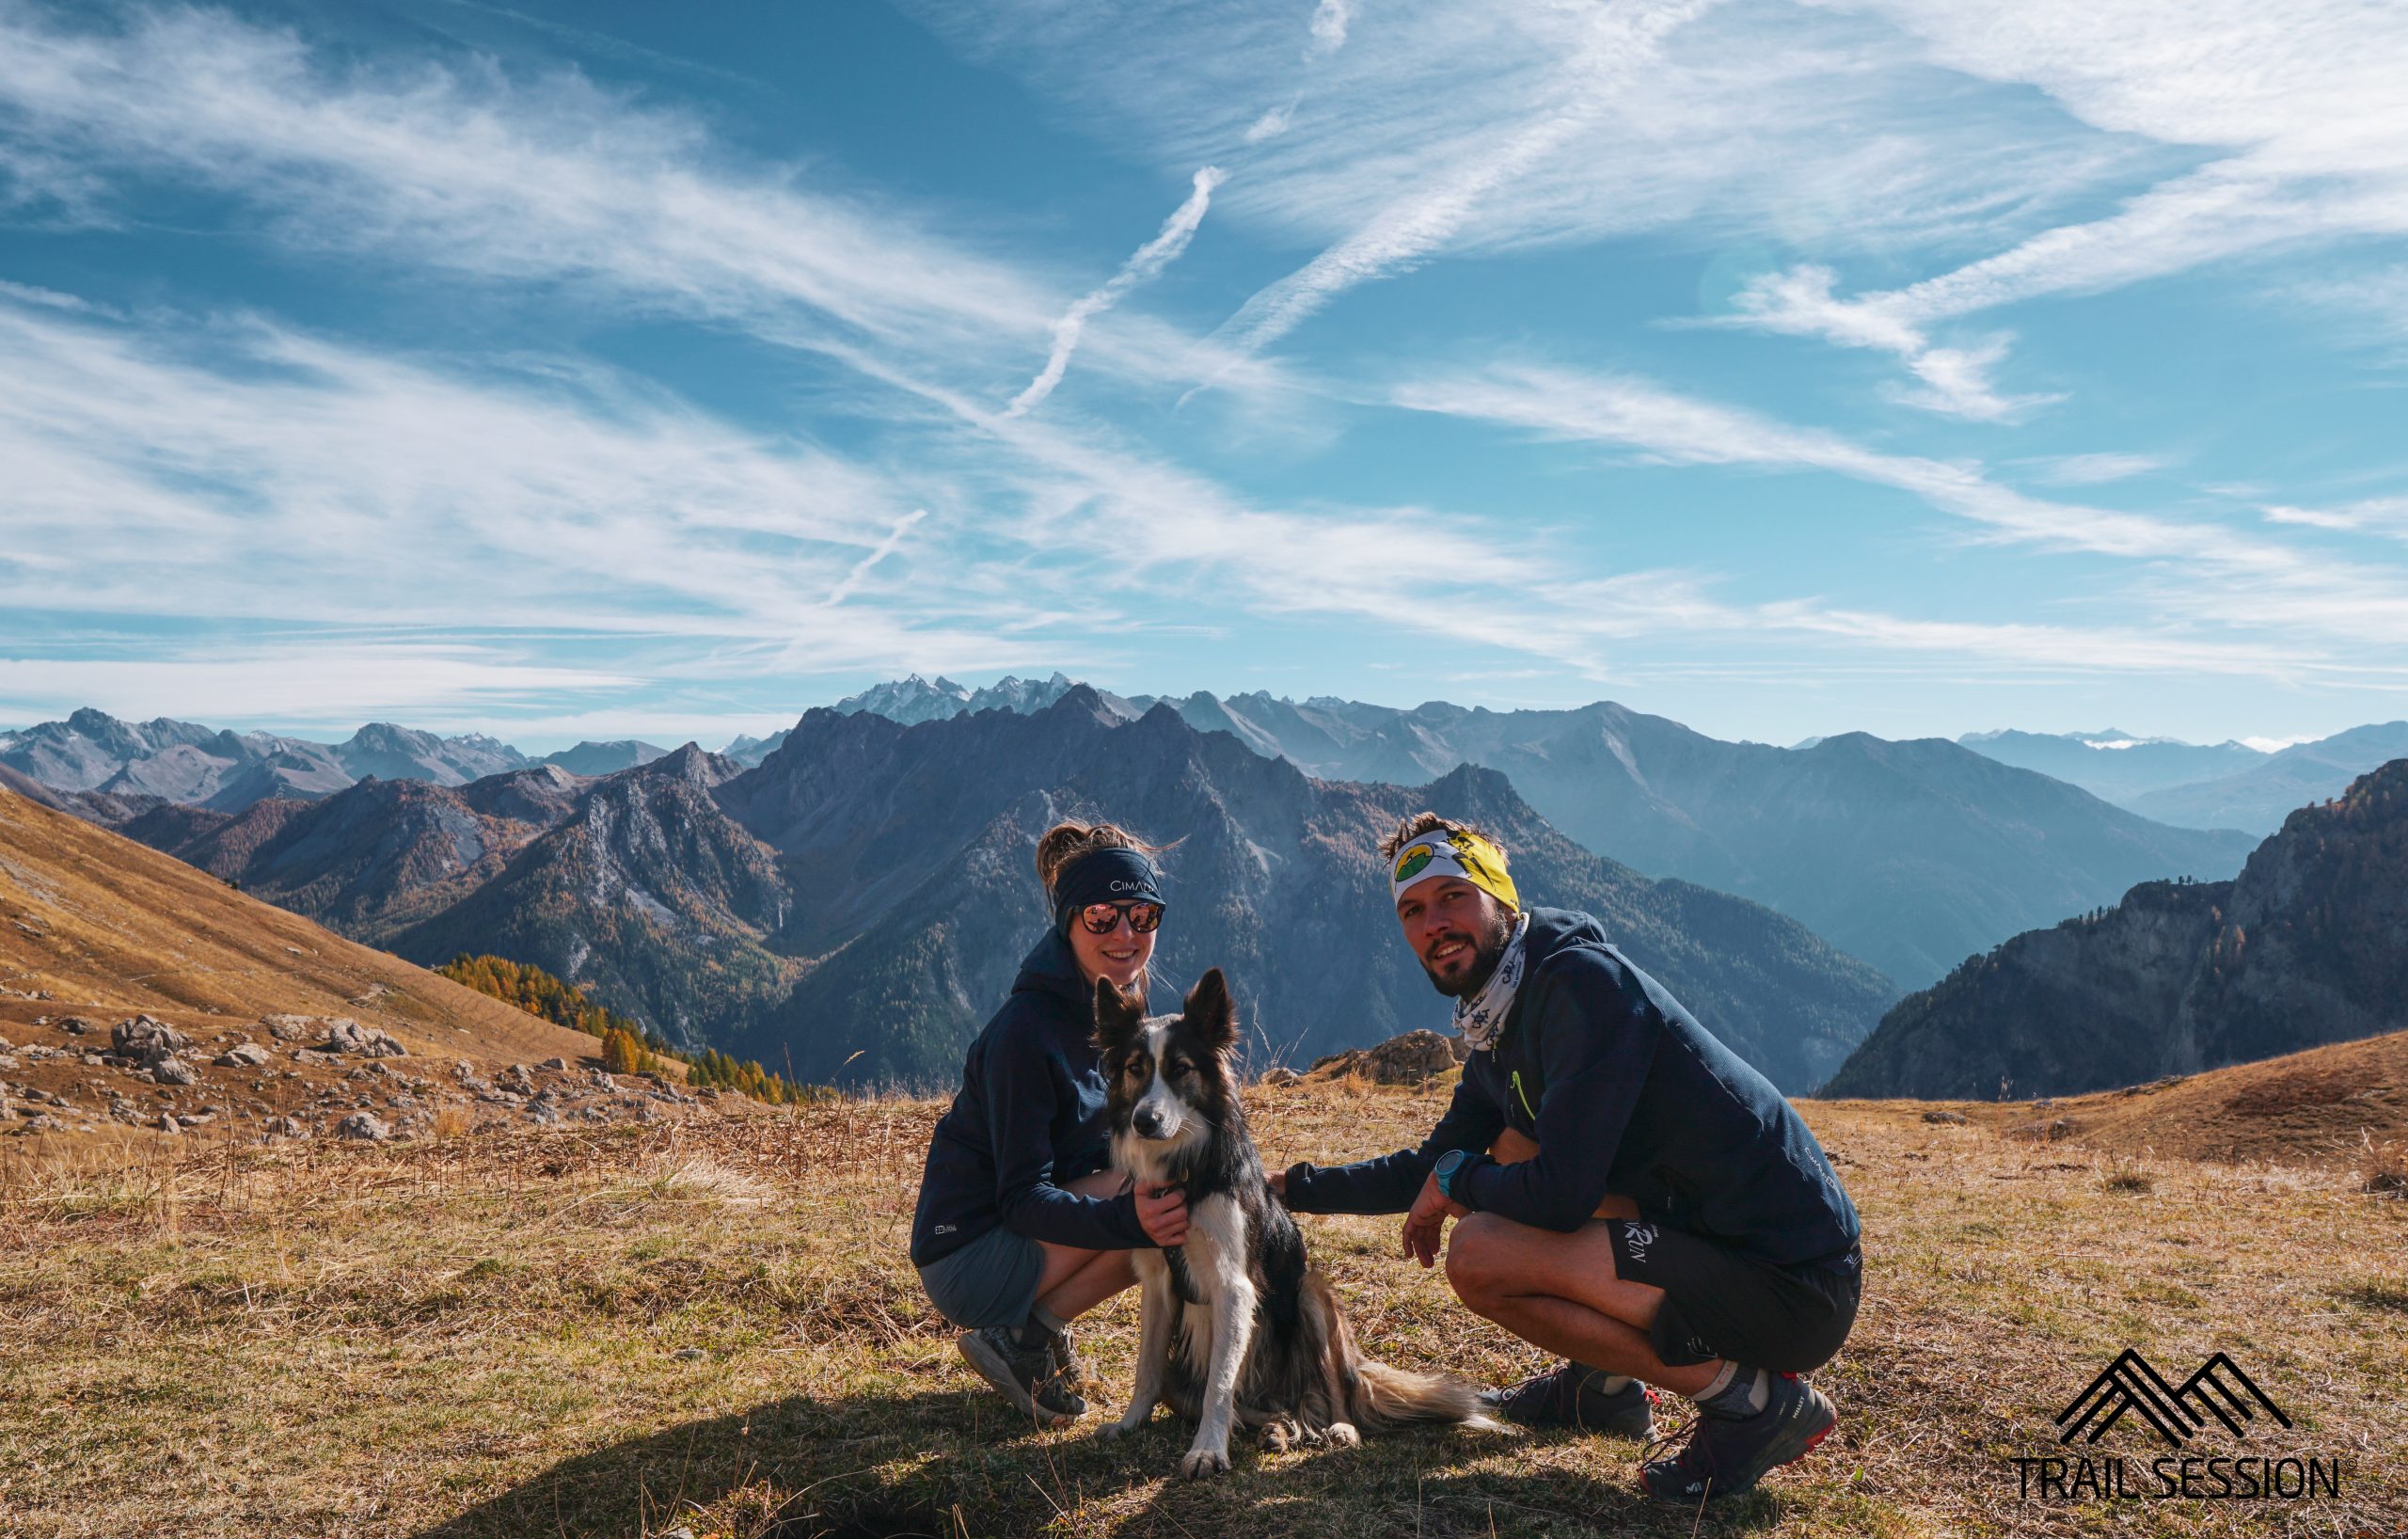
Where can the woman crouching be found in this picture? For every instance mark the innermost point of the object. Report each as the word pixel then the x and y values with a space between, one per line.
pixel 1021 1225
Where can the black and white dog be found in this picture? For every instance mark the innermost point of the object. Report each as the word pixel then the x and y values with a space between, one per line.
pixel 1234 1327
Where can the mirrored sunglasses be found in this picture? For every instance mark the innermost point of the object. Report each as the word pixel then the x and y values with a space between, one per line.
pixel 1103 918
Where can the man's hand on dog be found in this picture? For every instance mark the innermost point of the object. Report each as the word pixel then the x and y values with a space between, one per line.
pixel 1423 1226
pixel 1162 1213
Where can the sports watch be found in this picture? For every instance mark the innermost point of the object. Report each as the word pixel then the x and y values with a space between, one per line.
pixel 1449 1164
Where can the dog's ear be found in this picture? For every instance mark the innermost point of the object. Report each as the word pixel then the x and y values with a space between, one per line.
pixel 1118 1016
pixel 1210 1013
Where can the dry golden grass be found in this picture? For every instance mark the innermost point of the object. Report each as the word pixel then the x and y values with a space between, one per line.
pixel 108 927
pixel 2343 1107
pixel 626 1330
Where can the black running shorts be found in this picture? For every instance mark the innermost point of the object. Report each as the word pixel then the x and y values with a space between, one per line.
pixel 1723 1303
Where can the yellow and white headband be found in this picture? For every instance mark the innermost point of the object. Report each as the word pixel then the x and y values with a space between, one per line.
pixel 1445 853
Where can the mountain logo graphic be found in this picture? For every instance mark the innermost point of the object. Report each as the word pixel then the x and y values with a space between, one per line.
pixel 2218 1390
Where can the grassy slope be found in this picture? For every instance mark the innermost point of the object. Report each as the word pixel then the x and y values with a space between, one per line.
pixel 482 1335
pixel 108 926
pixel 2342 1107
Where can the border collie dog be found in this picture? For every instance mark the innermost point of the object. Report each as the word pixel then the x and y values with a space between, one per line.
pixel 1235 1329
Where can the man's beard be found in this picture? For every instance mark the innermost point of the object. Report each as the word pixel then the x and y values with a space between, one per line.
pixel 1487 950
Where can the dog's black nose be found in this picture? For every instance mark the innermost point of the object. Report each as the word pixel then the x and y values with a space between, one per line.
pixel 1149 1123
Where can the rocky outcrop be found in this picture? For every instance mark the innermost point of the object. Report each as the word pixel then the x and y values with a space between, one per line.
pixel 1409 1059
pixel 2308 945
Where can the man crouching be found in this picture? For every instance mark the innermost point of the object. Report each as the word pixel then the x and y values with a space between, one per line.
pixel 1629 1194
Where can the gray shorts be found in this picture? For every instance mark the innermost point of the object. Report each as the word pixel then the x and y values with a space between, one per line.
pixel 990 1281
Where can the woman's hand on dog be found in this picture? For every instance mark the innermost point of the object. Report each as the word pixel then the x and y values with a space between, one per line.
pixel 1162 1213
pixel 1278 1180
pixel 1423 1225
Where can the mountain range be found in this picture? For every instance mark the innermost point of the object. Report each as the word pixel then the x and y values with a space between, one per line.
pixel 2309 945
pixel 2226 786
pixel 1911 855
pixel 2115 765
pixel 139 763
pixel 854 906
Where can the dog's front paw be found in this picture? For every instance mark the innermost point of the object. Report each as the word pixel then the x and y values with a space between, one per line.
pixel 1342 1434
pixel 1203 1463
pixel 1127 1426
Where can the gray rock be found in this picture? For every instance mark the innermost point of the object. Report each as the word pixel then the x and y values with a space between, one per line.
pixel 75 1025
pixel 1280 1076
pixel 242 1056
pixel 167 1123
pixel 542 1113
pixel 365 1127
pixel 42 1123
pixel 173 1070
pixel 290 1028
pixel 1952 1119
pixel 288 1127
pixel 559 1064
pixel 344 1035
pixel 147 1038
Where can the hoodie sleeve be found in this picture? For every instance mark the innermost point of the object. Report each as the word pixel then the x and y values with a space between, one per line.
pixel 1596 1045
pixel 1021 1097
pixel 1390 1182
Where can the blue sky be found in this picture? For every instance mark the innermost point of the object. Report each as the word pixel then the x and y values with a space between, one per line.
pixel 567 372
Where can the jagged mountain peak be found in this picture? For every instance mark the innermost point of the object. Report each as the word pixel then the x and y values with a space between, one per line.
pixel 693 763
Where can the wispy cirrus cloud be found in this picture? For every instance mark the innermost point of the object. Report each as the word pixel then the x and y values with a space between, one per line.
pixel 2383 515
pixel 1612 45
pixel 1451 130
pixel 219 470
pixel 1142 267
pixel 2100 468
pixel 463 168
pixel 2189 572
pixel 2298 109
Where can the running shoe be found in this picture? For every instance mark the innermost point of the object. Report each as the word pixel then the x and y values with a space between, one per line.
pixel 1026 1376
pixel 1726 1455
pixel 1567 1396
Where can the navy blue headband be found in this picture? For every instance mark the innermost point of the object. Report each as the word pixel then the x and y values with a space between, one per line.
pixel 1105 876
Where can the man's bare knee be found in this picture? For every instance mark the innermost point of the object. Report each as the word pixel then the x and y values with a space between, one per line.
pixel 1473 1251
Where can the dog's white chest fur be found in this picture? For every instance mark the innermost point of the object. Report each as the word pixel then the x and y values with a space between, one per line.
pixel 1215 1250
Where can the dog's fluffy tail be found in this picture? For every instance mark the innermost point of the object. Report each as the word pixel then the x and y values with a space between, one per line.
pixel 1382 1396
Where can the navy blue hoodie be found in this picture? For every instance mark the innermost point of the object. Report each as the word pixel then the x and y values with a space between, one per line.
pixel 1028 1121
pixel 1626 1093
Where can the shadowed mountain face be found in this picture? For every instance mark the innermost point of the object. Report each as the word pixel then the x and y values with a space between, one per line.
pixel 2308 945
pixel 915 884
pixel 591 758
pixel 856 906
pixel 1908 854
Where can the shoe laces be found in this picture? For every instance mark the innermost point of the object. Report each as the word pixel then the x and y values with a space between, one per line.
pixel 1694 1454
